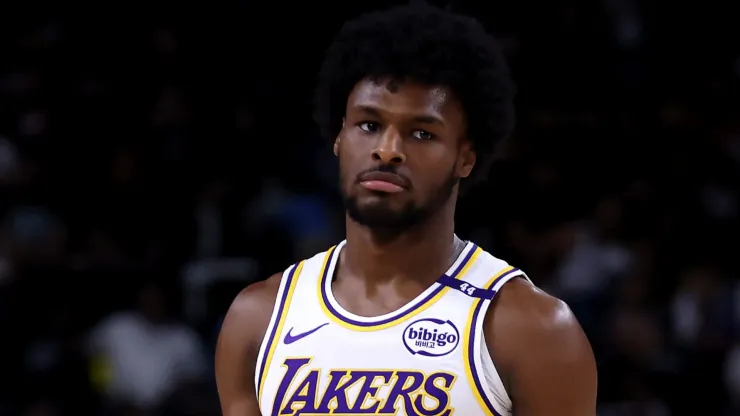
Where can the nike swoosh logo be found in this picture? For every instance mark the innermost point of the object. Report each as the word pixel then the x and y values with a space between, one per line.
pixel 289 338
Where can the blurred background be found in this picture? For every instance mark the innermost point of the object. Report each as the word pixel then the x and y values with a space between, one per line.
pixel 153 162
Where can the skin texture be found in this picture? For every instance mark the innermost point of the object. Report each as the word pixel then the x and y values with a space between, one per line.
pixel 398 244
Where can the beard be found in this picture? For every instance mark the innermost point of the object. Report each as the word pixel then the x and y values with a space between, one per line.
pixel 382 216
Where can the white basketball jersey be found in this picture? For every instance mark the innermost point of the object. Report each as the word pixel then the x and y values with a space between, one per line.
pixel 427 358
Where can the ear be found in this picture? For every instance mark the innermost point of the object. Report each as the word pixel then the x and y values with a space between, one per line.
pixel 338 139
pixel 466 160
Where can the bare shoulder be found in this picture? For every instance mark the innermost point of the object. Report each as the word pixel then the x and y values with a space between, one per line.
pixel 522 309
pixel 542 346
pixel 249 315
pixel 253 305
pixel 238 345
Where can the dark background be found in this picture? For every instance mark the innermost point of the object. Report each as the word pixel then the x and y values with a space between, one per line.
pixel 162 158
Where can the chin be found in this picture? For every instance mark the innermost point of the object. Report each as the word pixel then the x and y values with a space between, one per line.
pixel 382 214
pixel 379 221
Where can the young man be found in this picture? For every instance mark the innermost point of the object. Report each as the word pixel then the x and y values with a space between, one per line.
pixel 404 318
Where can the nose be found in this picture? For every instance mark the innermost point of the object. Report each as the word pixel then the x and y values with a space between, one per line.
pixel 390 148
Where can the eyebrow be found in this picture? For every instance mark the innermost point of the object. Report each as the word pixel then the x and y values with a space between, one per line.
pixel 421 118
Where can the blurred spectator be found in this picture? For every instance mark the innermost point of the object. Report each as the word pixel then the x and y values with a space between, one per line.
pixel 593 254
pixel 142 356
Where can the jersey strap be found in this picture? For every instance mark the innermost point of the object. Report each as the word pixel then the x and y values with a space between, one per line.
pixel 275 328
pixel 466 287
pixel 472 351
pixel 467 259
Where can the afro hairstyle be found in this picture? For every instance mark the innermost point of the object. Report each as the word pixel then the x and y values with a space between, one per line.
pixel 424 44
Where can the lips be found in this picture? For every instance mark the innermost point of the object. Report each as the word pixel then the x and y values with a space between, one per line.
pixel 383 182
pixel 384 177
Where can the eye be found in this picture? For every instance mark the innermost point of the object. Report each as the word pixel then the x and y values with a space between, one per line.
pixel 369 126
pixel 423 135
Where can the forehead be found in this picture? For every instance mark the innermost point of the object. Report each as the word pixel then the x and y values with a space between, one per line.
pixel 406 99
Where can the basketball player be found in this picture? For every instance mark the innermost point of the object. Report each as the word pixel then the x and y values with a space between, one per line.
pixel 404 318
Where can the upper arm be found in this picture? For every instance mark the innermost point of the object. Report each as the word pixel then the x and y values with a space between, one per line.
pixel 238 346
pixel 547 361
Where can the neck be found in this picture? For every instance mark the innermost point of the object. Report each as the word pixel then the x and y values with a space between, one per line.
pixel 421 253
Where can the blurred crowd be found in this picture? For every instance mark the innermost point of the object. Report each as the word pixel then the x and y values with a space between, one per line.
pixel 132 211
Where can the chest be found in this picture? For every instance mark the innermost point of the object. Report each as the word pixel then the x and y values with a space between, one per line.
pixel 413 367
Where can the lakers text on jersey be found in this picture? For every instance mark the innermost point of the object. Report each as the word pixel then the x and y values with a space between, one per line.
pixel 427 358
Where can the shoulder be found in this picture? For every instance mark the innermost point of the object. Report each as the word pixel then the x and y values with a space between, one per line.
pixel 252 308
pixel 250 312
pixel 542 341
pixel 257 295
pixel 245 324
pixel 522 309
pixel 238 345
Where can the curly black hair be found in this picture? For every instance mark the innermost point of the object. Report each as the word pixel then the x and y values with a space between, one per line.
pixel 424 44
